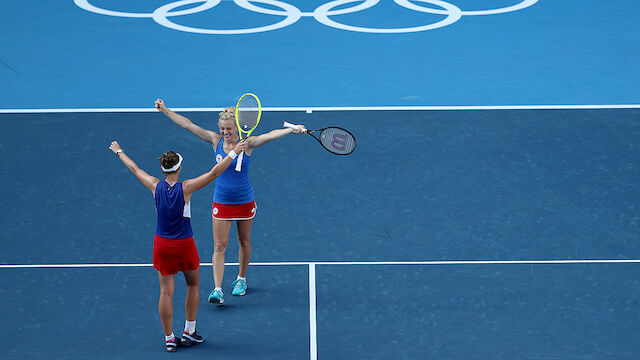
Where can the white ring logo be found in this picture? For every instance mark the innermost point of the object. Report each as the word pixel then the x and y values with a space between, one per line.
pixel 292 14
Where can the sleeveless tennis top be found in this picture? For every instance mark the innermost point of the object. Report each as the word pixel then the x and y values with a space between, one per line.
pixel 174 215
pixel 233 187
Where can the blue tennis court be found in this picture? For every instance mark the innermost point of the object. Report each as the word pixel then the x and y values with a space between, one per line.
pixel 490 210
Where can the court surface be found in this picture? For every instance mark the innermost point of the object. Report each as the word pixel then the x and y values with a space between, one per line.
pixel 337 236
pixel 490 210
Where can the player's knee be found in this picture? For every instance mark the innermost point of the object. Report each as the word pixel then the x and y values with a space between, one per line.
pixel 245 241
pixel 219 247
pixel 166 292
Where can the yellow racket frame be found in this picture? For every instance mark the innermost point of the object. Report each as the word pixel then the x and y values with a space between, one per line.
pixel 240 131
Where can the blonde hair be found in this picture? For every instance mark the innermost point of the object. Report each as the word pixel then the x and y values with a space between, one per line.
pixel 228 114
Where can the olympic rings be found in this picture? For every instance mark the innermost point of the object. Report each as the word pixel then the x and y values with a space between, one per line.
pixel 321 14
pixel 84 4
pixel 292 14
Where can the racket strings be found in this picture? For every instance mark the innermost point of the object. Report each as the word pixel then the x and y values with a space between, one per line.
pixel 338 141
pixel 248 113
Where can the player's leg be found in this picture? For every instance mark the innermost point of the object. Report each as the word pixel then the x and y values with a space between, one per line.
pixel 164 262
pixel 190 335
pixel 192 299
pixel 165 303
pixel 244 251
pixel 221 230
pixel 244 256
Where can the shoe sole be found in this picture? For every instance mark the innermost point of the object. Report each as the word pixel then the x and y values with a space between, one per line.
pixel 242 294
pixel 187 341
pixel 216 301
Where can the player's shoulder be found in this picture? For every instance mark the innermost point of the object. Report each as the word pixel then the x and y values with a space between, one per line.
pixel 215 138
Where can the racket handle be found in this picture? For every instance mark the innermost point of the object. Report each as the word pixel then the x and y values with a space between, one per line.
pixel 239 162
pixel 289 125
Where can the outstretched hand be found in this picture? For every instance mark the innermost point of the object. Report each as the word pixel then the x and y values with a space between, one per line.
pixel 114 147
pixel 160 105
pixel 300 129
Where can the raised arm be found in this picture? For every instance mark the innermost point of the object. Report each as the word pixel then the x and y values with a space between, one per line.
pixel 147 180
pixel 257 141
pixel 207 135
pixel 192 185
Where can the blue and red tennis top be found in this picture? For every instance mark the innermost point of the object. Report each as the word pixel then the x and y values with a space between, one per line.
pixel 233 187
pixel 174 215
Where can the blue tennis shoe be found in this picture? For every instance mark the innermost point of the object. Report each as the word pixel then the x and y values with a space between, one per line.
pixel 173 344
pixel 239 287
pixel 191 339
pixel 216 297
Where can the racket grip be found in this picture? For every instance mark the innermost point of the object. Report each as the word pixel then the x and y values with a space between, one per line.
pixel 289 125
pixel 239 162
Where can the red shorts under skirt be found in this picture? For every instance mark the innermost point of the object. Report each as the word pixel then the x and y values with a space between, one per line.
pixel 234 211
pixel 170 256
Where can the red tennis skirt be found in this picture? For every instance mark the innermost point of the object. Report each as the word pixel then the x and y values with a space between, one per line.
pixel 234 211
pixel 170 256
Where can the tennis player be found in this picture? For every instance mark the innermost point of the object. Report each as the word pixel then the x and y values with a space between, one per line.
pixel 233 197
pixel 173 247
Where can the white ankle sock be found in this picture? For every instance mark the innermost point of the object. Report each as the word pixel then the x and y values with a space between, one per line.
pixel 189 326
pixel 170 337
pixel 218 288
pixel 241 278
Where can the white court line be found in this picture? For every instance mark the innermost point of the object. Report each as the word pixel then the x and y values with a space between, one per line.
pixel 329 108
pixel 303 263
pixel 313 342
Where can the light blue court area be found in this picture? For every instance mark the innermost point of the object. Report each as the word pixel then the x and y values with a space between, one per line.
pixel 123 54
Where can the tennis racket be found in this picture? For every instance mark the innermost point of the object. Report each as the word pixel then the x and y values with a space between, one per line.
pixel 334 139
pixel 248 111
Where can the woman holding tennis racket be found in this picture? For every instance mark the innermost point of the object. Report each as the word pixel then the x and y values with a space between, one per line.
pixel 233 195
pixel 173 247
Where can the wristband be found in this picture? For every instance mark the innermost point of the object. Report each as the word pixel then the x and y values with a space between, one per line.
pixel 118 152
pixel 232 154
